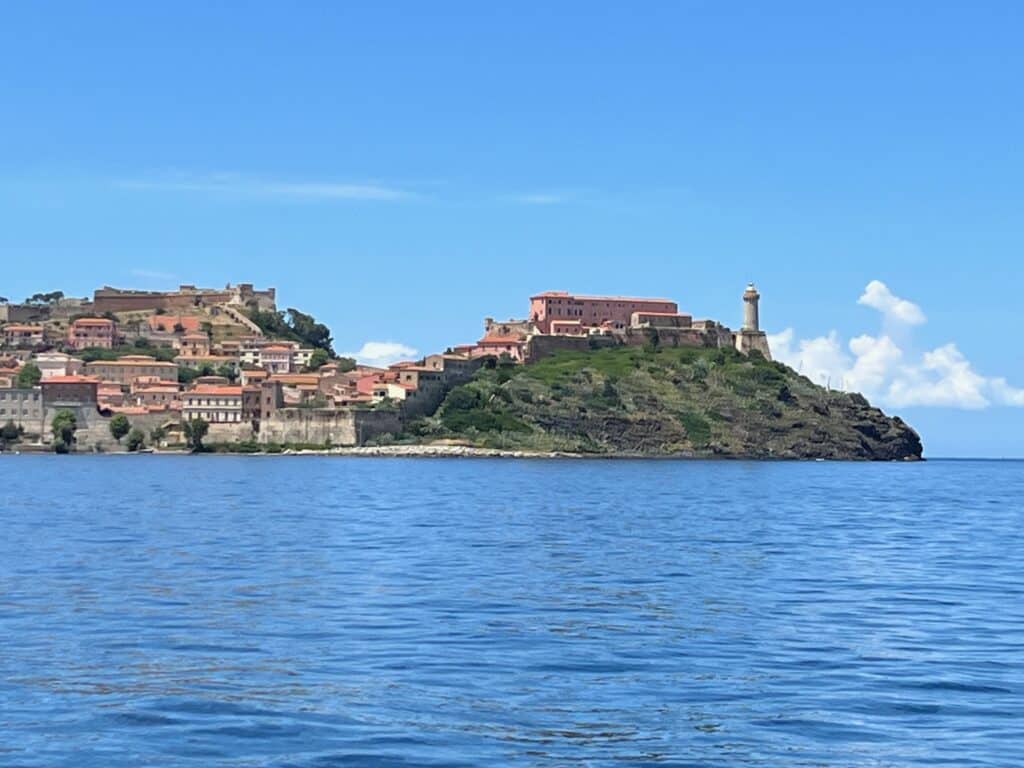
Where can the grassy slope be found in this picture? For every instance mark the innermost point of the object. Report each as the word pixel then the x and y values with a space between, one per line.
pixel 666 401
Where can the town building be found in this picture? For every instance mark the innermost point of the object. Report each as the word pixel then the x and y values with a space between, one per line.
pixel 69 391
pixel 23 335
pixel 23 408
pixel 276 358
pixel 58 364
pixel 591 311
pixel 155 393
pixel 92 332
pixel 126 369
pixel 212 403
pixel 195 344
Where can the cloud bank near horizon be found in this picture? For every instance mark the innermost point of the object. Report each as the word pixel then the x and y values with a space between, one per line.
pixel 380 354
pixel 891 374
pixel 240 185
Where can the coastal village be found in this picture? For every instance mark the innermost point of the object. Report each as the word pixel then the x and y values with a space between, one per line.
pixel 143 370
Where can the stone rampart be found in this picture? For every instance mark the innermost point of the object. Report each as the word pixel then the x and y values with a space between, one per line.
pixel 328 426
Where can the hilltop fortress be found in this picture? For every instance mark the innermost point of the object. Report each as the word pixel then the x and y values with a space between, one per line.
pixel 562 320
pixel 107 299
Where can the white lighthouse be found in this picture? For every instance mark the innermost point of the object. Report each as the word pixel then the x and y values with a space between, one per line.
pixel 750 337
pixel 750 299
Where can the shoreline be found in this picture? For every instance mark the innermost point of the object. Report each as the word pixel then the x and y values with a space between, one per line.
pixel 461 451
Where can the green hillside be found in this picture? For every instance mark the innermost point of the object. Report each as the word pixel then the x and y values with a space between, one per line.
pixel 669 401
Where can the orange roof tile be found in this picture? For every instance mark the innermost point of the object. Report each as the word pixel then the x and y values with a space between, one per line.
pixel 23 328
pixel 215 389
pixel 584 297
pixel 71 380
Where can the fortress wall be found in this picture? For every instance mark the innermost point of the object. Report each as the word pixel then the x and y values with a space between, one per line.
pixel 320 426
pixel 540 347
pixel 22 313
pixel 229 433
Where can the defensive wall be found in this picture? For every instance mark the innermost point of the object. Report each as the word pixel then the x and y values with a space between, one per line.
pixel 328 426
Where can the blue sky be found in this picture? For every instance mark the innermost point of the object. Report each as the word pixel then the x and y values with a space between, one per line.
pixel 401 170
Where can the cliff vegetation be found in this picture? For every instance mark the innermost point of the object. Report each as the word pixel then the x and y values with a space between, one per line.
pixel 664 401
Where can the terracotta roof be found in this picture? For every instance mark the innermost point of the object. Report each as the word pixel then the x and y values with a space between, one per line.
pixel 584 297
pixel 662 314
pixel 277 348
pixel 131 360
pixel 22 327
pixel 71 380
pixel 295 378
pixel 92 321
pixel 214 389
pixel 510 340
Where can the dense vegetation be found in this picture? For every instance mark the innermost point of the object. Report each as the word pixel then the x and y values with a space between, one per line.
pixel 693 401
pixel 28 376
pixel 294 326
pixel 138 347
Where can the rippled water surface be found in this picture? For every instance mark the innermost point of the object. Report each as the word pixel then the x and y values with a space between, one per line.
pixel 244 611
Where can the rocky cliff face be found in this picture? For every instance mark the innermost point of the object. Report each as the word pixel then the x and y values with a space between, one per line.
pixel 672 401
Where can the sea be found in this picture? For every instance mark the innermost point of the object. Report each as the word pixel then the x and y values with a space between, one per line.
pixel 346 611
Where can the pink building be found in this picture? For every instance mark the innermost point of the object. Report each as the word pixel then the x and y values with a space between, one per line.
pixel 512 346
pixel 590 311
pixel 19 335
pixel 91 332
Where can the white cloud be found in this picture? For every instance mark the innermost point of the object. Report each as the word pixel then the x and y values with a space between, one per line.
pixel 541 198
pixel 878 296
pixel 889 374
pixel 237 185
pixel 382 353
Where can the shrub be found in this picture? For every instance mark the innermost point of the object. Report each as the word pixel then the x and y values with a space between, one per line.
pixel 119 426
pixel 64 426
pixel 698 428
pixel 136 440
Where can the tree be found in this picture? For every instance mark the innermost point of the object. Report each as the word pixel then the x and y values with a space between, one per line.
pixel 317 359
pixel 45 298
pixel 296 326
pixel 9 433
pixel 157 435
pixel 136 440
pixel 228 372
pixel 119 426
pixel 310 331
pixel 28 377
pixel 64 425
pixel 195 430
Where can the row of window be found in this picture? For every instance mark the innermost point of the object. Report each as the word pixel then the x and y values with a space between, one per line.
pixel 19 395
pixel 216 416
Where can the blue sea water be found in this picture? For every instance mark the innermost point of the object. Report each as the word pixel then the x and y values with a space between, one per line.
pixel 324 611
